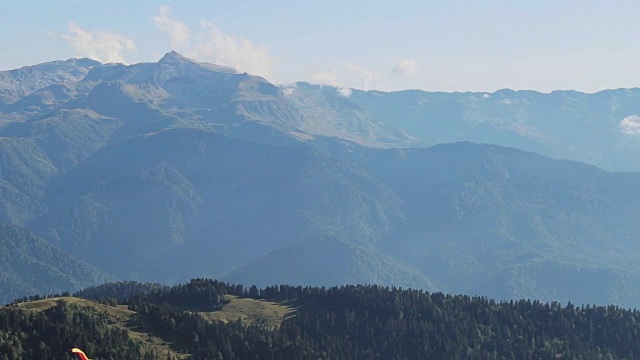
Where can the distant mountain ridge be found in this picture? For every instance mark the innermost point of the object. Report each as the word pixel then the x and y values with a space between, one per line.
pixel 561 124
pixel 178 169
pixel 20 83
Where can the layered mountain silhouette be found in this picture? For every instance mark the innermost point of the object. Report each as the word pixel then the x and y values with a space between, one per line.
pixel 179 169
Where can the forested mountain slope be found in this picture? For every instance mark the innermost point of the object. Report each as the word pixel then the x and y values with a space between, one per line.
pixel 30 266
pixel 207 202
pixel 169 170
pixel 476 212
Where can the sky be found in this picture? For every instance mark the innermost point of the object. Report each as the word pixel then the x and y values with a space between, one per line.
pixel 436 45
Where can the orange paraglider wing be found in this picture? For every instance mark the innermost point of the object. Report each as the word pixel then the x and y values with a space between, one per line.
pixel 80 354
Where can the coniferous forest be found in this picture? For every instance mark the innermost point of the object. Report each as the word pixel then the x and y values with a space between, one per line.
pixel 348 322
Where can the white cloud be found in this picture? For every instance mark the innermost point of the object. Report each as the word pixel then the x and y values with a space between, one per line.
pixel 288 89
pixel 103 46
pixel 359 73
pixel 177 31
pixel 346 92
pixel 630 125
pixel 326 78
pixel 232 50
pixel 348 76
pixel 486 96
pixel 404 66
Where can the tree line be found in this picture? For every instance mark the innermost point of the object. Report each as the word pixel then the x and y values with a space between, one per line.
pixel 346 322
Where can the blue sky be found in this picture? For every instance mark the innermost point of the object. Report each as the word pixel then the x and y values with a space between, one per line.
pixel 432 45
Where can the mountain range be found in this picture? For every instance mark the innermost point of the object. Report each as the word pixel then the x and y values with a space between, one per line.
pixel 179 169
